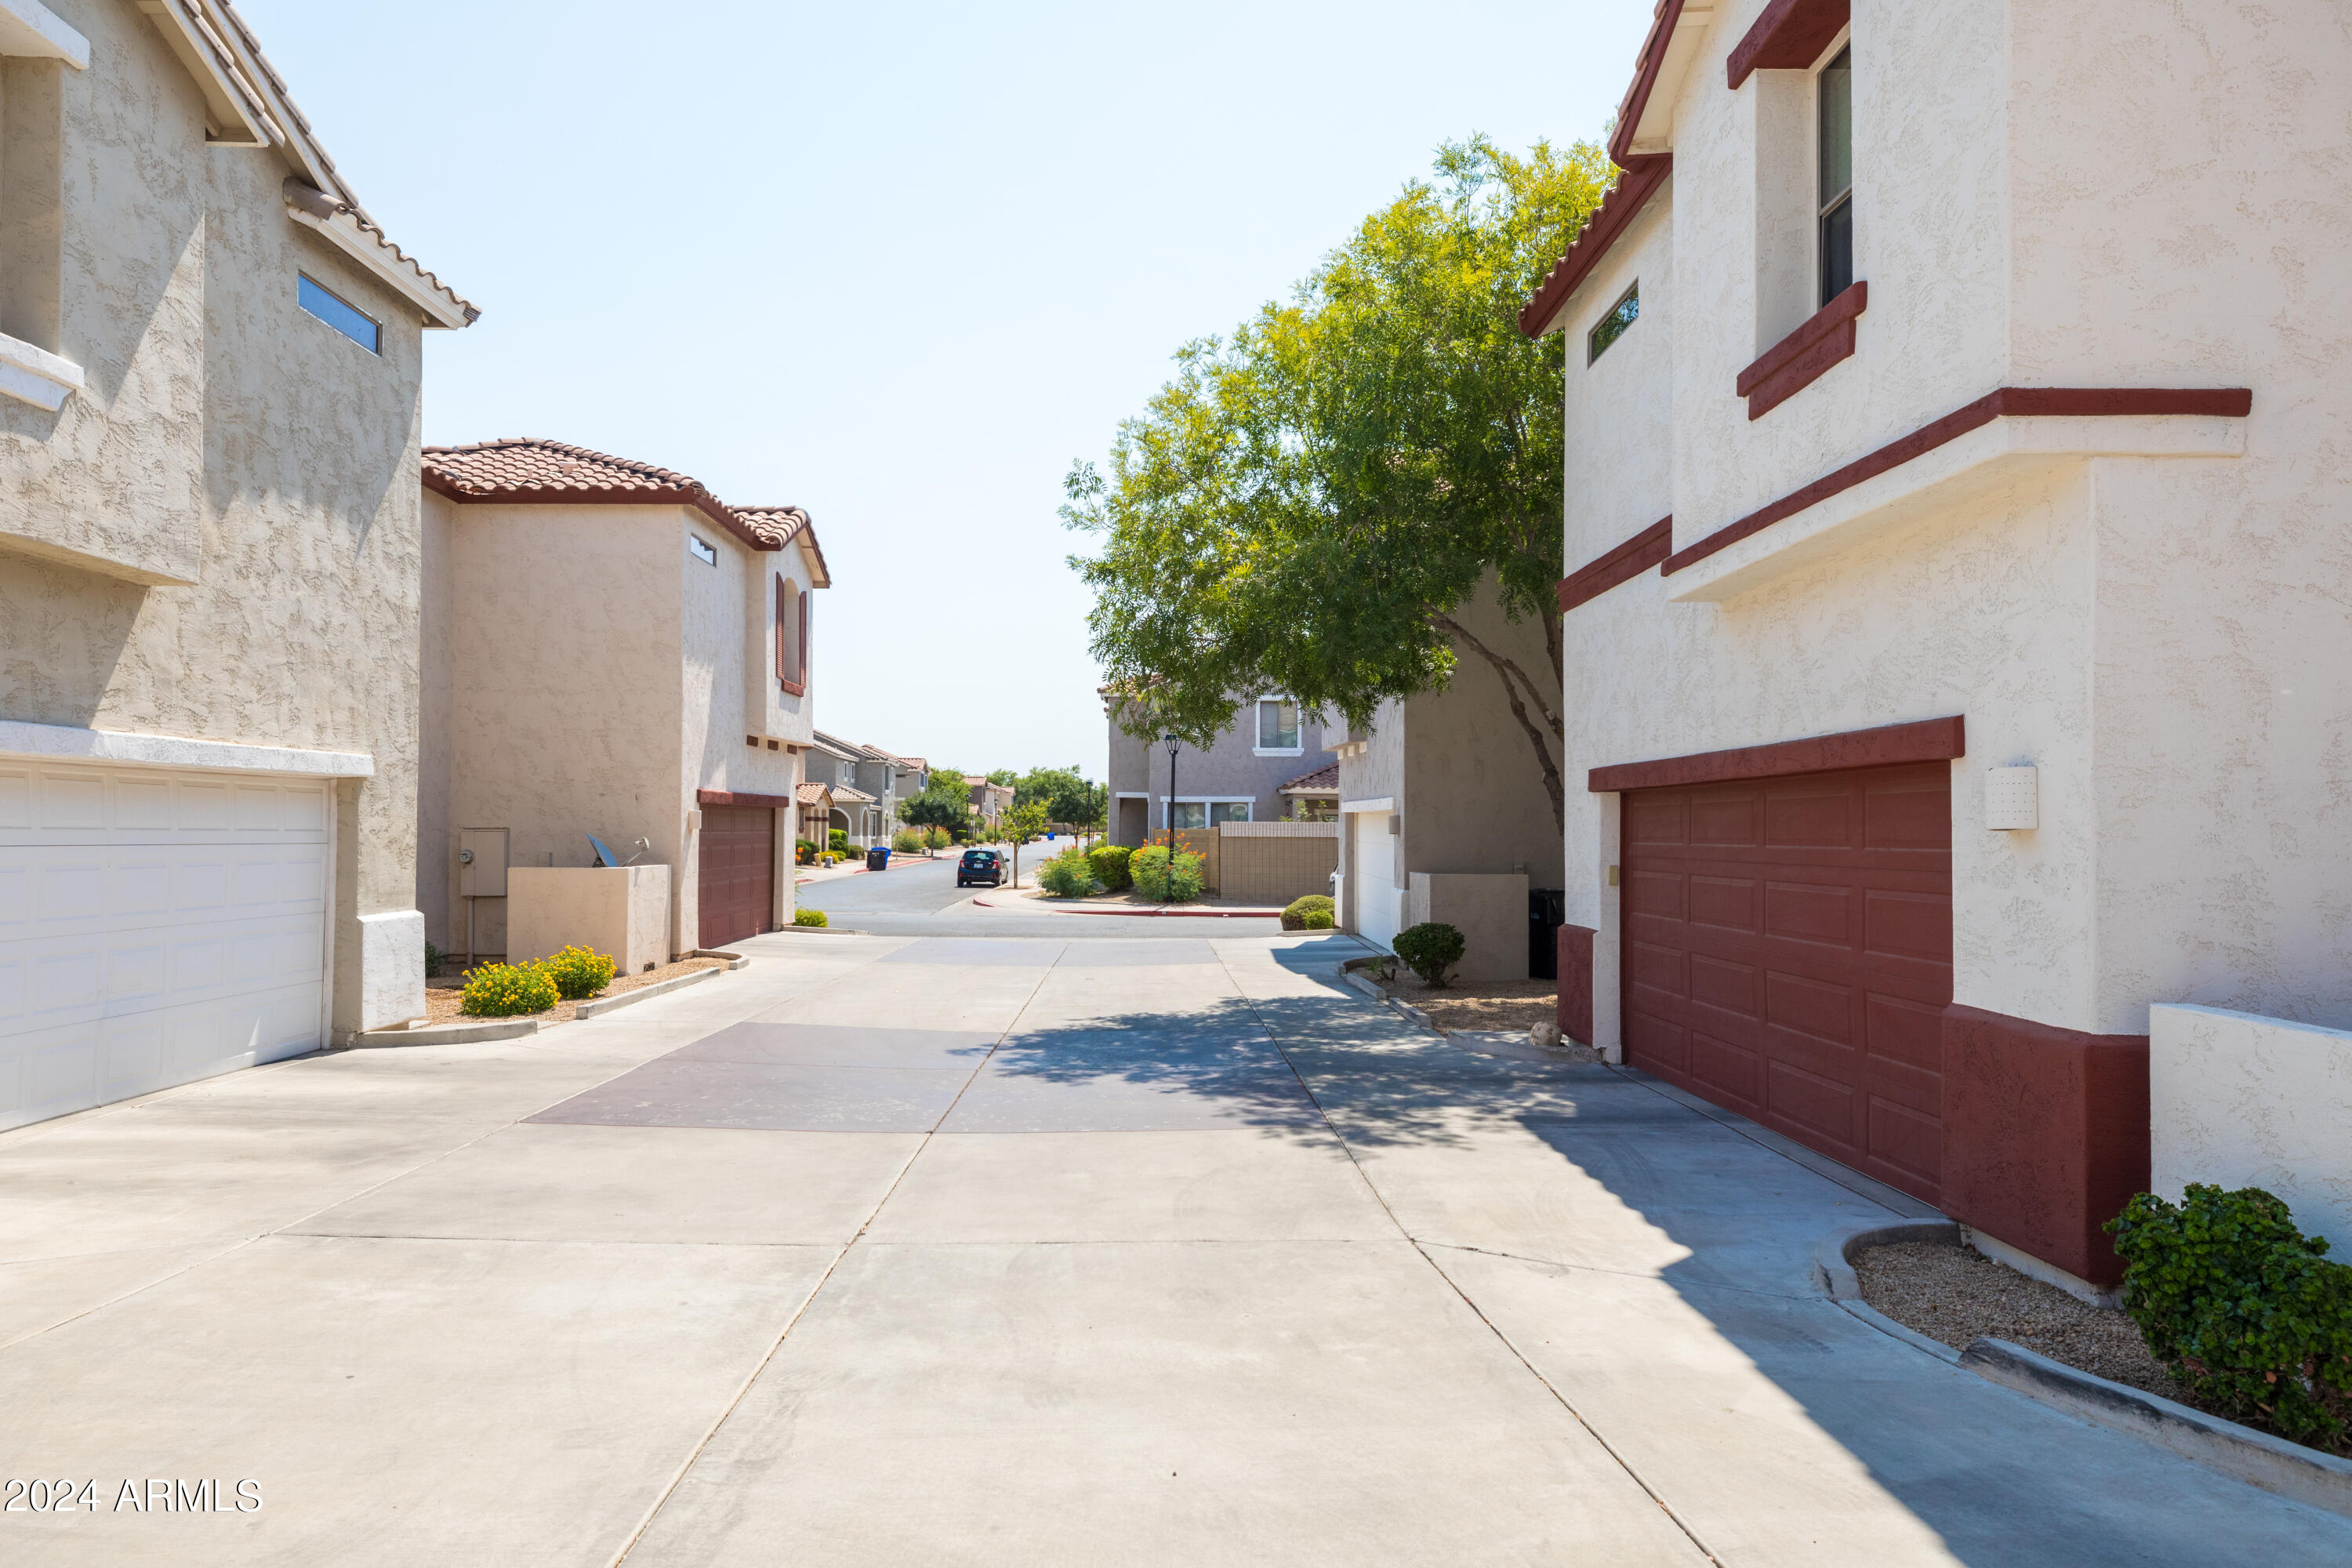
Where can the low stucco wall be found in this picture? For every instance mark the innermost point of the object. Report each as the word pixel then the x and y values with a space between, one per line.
pixel 621 910
pixel 1275 862
pixel 2240 1100
pixel 1490 911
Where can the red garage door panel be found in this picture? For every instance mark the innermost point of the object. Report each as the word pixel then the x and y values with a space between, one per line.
pixel 736 871
pixel 1787 954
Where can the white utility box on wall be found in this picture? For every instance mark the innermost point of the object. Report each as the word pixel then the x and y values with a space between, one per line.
pixel 2013 799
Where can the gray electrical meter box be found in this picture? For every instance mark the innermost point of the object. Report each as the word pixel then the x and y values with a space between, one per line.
pixel 482 862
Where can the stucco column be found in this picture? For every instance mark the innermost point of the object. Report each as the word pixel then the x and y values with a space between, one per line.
pixel 379 939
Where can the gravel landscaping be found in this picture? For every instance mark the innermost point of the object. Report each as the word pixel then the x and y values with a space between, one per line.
pixel 444 992
pixel 1957 1295
pixel 1519 1005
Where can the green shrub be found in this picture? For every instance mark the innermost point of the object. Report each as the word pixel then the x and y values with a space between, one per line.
pixel 1109 864
pixel 2242 1308
pixel 578 973
pixel 908 841
pixel 936 839
pixel 1067 875
pixel 507 991
pixel 804 852
pixel 434 959
pixel 837 840
pixel 1156 877
pixel 1294 917
pixel 1317 919
pixel 1431 949
pixel 808 917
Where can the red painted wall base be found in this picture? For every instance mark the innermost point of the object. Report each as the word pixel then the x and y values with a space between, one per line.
pixel 1575 951
pixel 2045 1135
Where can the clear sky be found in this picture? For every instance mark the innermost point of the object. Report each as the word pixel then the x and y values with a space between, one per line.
pixel 899 265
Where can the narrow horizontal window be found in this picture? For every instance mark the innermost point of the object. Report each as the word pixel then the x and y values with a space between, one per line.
pixel 703 549
pixel 1610 327
pixel 338 314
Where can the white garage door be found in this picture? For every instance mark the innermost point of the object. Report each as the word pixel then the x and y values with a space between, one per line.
pixel 1375 874
pixel 155 926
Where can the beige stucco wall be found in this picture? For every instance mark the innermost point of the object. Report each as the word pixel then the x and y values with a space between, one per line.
pixel 563 630
pixel 2167 639
pixel 229 441
pixel 621 911
pixel 1489 910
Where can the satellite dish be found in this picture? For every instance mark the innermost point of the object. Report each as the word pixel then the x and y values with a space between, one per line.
pixel 605 856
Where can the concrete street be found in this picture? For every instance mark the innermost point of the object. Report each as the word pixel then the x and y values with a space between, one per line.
pixel 1033 1249
pixel 918 898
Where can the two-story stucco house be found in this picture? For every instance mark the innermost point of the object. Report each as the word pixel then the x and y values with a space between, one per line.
pixel 611 649
pixel 845 769
pixel 1240 779
pixel 211 360
pixel 1443 811
pixel 1956 410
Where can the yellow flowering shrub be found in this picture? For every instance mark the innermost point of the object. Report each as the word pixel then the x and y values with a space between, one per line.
pixel 508 990
pixel 578 973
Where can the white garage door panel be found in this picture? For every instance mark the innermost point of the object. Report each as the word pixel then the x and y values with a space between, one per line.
pixel 154 928
pixel 1376 894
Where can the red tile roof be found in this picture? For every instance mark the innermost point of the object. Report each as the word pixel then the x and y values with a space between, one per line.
pixel 1324 780
pixel 782 524
pixel 810 793
pixel 528 470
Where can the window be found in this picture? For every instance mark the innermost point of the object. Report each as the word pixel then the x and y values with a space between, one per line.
pixel 1277 725
pixel 701 549
pixel 1835 95
pixel 791 636
pixel 1610 327
pixel 338 314
pixel 1203 813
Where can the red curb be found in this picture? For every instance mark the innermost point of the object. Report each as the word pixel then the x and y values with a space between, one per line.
pixel 1153 914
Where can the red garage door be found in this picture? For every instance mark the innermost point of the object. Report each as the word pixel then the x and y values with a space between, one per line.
pixel 1787 955
pixel 738 872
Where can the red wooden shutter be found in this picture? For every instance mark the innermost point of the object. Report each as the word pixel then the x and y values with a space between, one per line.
pixel 804 629
pixel 783 674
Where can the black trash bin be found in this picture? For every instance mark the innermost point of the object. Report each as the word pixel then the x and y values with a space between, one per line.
pixel 878 859
pixel 1546 912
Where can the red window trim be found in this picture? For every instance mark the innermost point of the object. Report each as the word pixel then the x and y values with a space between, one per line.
pixel 1790 35
pixel 1799 360
pixel 1622 565
pixel 2215 402
pixel 736 797
pixel 1924 741
pixel 784 644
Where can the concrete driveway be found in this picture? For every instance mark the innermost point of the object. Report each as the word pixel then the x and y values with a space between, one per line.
pixel 1000 1251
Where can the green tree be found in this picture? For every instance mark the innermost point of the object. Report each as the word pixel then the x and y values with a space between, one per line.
pixel 1004 776
pixel 945 801
pixel 1064 793
pixel 1308 504
pixel 1019 825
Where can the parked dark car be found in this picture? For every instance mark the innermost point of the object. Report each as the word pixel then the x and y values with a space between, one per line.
pixel 981 866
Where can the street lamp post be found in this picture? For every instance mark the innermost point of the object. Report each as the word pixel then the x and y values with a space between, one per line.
pixel 1173 743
